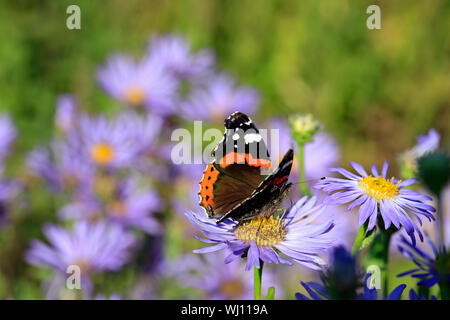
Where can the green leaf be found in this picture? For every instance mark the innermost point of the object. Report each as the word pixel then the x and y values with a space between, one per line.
pixel 368 238
pixel 359 237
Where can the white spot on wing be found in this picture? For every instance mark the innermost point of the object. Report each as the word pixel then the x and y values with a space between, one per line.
pixel 252 137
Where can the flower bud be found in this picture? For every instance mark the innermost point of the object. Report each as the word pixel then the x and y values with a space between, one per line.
pixel 304 127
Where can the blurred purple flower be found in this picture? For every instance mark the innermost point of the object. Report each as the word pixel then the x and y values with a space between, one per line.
pixel 186 187
pixel 112 296
pixel 93 248
pixel 320 155
pixel 8 192
pixel 144 83
pixel 40 165
pixel 218 98
pixel 66 112
pixel 371 192
pixel 143 129
pixel 129 206
pixel 61 166
pixel 8 135
pixel 174 53
pixel 295 233
pixel 135 207
pixel 107 143
pixel 83 206
pixel 425 143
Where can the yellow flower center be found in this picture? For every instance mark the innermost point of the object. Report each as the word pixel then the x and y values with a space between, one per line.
pixel 232 289
pixel 83 264
pixel 134 96
pixel 117 209
pixel 265 232
pixel 102 153
pixel 105 186
pixel 379 188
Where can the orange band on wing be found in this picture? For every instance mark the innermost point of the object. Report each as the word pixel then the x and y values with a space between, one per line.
pixel 206 186
pixel 241 158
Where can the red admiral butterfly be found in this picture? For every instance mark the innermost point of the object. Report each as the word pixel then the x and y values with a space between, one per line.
pixel 232 185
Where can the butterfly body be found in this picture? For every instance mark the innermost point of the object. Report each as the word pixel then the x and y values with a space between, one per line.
pixel 233 184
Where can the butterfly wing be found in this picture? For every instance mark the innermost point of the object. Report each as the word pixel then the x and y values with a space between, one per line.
pixel 236 170
pixel 267 196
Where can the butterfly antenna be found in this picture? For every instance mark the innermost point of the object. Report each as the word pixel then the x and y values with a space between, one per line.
pixel 290 200
pixel 310 180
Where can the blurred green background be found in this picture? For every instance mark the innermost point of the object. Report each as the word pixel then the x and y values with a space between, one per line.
pixel 374 90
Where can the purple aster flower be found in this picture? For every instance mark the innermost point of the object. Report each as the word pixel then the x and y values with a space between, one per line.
pixel 414 296
pixel 92 247
pixel 144 83
pixel 431 268
pixel 61 166
pixel 8 192
pixel 372 294
pixel 130 205
pixel 373 193
pixel 341 280
pixel 174 53
pixel 216 280
pixel 83 206
pixel 320 155
pixel 219 98
pixel 106 143
pixel 134 206
pixel 144 130
pixel 425 143
pixel 66 112
pixel 294 234
pixel 40 166
pixel 8 135
pixel 318 292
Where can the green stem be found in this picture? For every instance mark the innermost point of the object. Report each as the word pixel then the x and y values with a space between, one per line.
pixel 444 289
pixel 257 280
pixel 439 224
pixel 304 190
pixel 379 253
